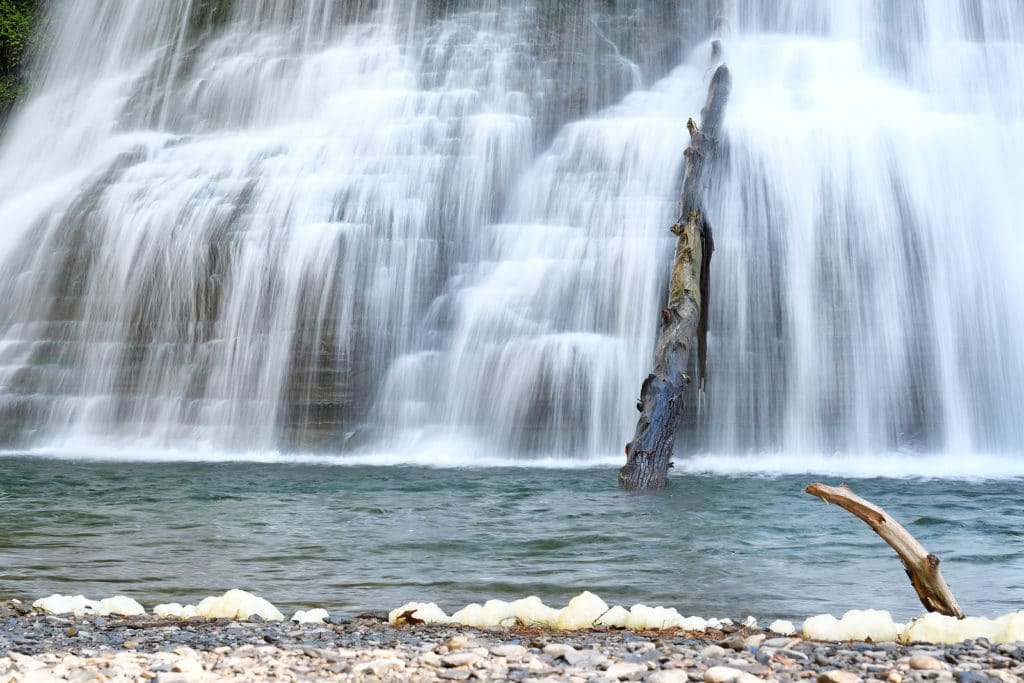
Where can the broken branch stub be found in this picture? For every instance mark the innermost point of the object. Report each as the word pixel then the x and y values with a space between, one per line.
pixel 921 566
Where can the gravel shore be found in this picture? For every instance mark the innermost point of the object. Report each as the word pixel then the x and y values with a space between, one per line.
pixel 37 647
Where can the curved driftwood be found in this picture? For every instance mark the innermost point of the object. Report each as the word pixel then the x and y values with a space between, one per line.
pixel 684 321
pixel 921 566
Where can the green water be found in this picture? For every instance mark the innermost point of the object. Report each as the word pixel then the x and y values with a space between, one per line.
pixel 370 538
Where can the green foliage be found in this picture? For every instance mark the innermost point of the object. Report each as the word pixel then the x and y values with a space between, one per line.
pixel 18 20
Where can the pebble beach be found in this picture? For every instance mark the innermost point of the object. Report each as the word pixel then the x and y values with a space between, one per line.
pixel 42 647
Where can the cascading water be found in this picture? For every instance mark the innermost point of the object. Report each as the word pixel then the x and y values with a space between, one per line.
pixel 375 226
pixel 867 293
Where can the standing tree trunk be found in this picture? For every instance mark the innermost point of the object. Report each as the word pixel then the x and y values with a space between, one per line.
pixel 684 321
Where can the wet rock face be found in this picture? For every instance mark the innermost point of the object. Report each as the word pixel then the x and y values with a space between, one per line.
pixel 33 646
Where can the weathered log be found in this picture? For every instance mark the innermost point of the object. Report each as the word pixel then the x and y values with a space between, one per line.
pixel 921 566
pixel 683 326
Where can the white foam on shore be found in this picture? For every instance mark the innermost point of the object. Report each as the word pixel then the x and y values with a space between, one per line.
pixel 237 604
pixel 782 627
pixel 174 610
pixel 938 628
pixel 587 610
pixel 313 616
pixel 877 625
pixel 418 613
pixel 927 628
pixel 234 604
pixel 79 605
pixel 584 611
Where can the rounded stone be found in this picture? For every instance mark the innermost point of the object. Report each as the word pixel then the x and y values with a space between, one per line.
pixel 925 663
pixel 838 677
pixel 727 674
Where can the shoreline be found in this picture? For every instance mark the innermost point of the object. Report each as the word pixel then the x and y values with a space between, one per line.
pixel 36 646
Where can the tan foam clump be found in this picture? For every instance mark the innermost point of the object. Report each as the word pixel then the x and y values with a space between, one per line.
pixel 855 625
pixel 927 628
pixel 586 610
pixel 938 628
pixel 532 612
pixel 644 618
pixel 782 627
pixel 120 605
pixel 237 604
pixel 419 612
pixel 66 604
pixel 583 611
pixel 313 616
pixel 616 617
pixel 174 610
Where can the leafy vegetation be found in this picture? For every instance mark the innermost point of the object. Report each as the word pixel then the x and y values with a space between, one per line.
pixel 18 22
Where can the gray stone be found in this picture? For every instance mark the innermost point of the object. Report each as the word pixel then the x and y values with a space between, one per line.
pixel 780 642
pixel 456 642
pixel 838 677
pixel 668 676
pixel 621 670
pixel 725 674
pixel 510 651
pixel 712 652
pixel 755 640
pixel 640 646
pixel 557 649
pixel 380 667
pixel 736 642
pixel 585 658
pixel 974 677
pixel 460 658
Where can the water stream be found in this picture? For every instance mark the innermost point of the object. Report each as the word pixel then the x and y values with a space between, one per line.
pixel 423 230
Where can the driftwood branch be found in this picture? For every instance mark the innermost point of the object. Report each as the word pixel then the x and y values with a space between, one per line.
pixel 683 323
pixel 921 566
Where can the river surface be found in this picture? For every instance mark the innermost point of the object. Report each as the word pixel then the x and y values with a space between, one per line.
pixel 356 538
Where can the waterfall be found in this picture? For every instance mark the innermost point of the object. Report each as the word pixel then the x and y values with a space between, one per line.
pixel 867 292
pixel 437 228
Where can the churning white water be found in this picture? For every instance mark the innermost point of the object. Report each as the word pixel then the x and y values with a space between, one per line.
pixel 424 227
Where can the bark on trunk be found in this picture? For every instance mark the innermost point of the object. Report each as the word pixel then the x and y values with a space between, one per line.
pixel 921 566
pixel 684 324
